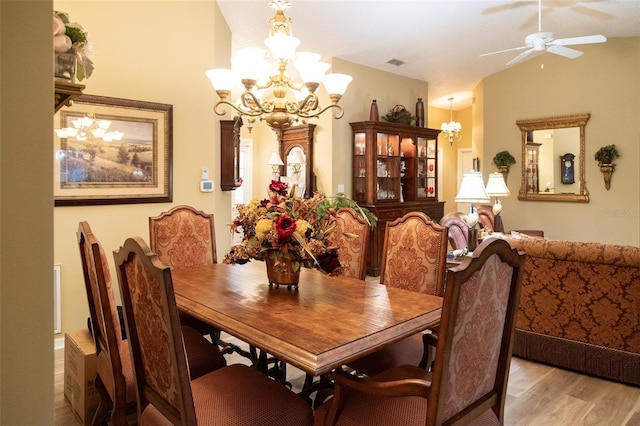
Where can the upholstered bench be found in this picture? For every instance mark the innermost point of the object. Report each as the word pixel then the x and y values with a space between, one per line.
pixel 580 307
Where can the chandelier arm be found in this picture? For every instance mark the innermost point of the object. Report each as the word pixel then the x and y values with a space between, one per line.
pixel 337 115
pixel 217 108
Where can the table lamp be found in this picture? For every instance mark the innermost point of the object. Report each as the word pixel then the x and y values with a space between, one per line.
pixel 496 187
pixel 472 191
pixel 297 160
pixel 275 162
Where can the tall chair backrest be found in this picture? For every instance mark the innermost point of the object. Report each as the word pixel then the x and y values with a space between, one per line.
pixel 351 236
pixel 154 333
pixel 458 229
pixel 486 218
pixel 478 320
pixel 106 325
pixel 183 237
pixel 414 254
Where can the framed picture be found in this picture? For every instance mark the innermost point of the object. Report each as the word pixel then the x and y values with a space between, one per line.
pixel 112 151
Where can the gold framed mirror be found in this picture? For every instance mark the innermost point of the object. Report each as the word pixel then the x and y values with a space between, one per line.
pixel 553 159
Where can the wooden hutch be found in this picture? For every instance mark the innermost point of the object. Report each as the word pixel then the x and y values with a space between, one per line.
pixel 395 171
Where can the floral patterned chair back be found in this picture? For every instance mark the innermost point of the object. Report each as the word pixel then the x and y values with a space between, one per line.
pixel 473 355
pixel 458 229
pixel 183 237
pixel 114 380
pixel 159 360
pixel 351 236
pixel 414 254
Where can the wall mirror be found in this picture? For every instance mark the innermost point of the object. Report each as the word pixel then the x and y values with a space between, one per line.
pixel 296 146
pixel 553 159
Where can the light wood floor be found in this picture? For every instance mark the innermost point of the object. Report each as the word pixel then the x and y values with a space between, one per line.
pixel 538 395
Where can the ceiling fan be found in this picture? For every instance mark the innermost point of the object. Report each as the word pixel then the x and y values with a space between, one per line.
pixel 546 41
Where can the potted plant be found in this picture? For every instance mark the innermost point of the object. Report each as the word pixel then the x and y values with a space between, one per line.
pixel 605 156
pixel 503 160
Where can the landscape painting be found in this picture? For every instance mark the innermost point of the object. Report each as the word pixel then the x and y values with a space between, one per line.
pixel 112 151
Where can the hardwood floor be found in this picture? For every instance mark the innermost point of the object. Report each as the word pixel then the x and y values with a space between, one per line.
pixel 538 395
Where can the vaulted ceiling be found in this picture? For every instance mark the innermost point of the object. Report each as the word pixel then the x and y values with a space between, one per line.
pixel 439 41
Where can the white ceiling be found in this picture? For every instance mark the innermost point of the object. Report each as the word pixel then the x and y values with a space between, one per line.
pixel 439 40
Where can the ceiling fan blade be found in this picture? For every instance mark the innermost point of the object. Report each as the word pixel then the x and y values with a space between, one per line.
pixel 564 51
pixel 578 40
pixel 505 50
pixel 521 56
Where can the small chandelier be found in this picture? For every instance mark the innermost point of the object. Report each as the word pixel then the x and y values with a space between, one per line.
pixel 277 99
pixel 452 129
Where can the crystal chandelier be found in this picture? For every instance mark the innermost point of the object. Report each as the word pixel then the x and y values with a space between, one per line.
pixel 277 99
pixel 452 129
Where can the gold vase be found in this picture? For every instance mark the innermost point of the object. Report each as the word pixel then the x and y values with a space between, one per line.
pixel 280 269
pixel 505 172
pixel 607 170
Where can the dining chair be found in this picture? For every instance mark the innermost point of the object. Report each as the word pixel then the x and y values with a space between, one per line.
pixel 468 384
pixel 351 236
pixel 413 258
pixel 114 380
pixel 184 237
pixel 232 395
pixel 458 229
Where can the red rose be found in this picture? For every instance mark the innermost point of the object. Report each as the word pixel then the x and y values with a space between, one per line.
pixel 285 226
pixel 328 261
pixel 278 187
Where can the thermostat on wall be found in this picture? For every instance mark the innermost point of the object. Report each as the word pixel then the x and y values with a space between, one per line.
pixel 206 186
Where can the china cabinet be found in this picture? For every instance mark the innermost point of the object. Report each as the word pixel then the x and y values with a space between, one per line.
pixel 395 171
pixel 531 169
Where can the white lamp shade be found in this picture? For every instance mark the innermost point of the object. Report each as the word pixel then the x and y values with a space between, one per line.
pixel 472 189
pixel 336 84
pixel 496 186
pixel 221 78
pixel 312 71
pixel 282 47
pixel 249 63
pixel 275 160
pixel 296 157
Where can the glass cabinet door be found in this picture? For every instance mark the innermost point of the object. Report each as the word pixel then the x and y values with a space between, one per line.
pixel 432 153
pixel 388 167
pixel 359 167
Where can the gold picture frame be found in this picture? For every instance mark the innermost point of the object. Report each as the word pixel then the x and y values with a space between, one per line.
pixel 90 169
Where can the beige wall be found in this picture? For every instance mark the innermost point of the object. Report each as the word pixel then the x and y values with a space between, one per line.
pixel 157 52
pixel 26 225
pixel 603 82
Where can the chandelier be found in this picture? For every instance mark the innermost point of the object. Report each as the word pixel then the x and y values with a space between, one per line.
pixel 452 129
pixel 84 127
pixel 275 97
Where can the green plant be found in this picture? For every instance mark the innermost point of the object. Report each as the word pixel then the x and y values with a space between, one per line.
pixel 606 154
pixel 503 158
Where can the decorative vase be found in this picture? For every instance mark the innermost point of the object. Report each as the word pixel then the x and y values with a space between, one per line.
pixel 374 115
pixel 505 172
pixel 607 170
pixel 420 113
pixel 65 66
pixel 280 269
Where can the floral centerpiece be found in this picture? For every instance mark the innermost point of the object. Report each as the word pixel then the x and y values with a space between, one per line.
pixel 70 37
pixel 288 231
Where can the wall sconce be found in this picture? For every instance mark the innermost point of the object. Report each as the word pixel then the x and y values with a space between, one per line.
pixel 275 162
pixel 472 191
pixel 496 187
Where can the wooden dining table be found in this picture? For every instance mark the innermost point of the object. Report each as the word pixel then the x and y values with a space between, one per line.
pixel 325 323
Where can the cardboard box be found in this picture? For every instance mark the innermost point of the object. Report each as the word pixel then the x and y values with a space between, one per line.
pixel 79 375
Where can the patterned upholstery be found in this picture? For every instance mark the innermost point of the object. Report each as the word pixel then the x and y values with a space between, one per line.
pixel 351 236
pixel 414 258
pixel 183 237
pixel 236 395
pixel 473 355
pixel 580 307
pixel 414 254
pixel 458 229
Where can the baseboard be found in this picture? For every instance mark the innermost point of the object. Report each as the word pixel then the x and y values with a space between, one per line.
pixel 58 343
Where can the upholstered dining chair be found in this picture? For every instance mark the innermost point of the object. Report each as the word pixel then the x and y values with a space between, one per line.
pixel 468 384
pixel 458 229
pixel 351 236
pixel 233 395
pixel 414 258
pixel 114 380
pixel 184 237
